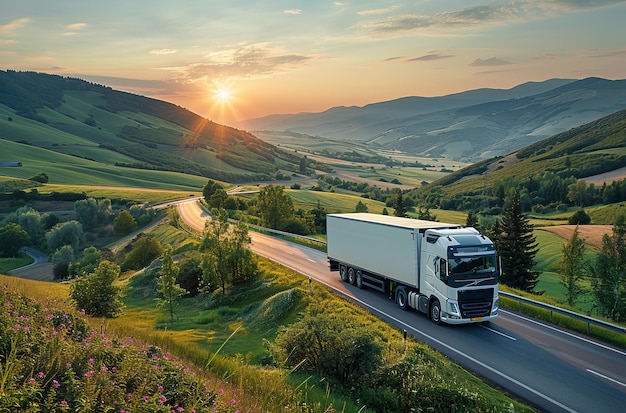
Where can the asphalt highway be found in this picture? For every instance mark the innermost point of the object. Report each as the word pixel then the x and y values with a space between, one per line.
pixel 553 369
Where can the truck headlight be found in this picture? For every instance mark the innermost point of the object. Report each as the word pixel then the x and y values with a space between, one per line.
pixel 495 307
pixel 454 308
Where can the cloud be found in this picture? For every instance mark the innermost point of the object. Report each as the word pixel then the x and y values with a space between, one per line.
pixel 603 53
pixel 162 51
pixel 492 61
pixel 292 11
pixel 245 62
pixel 6 29
pixel 429 57
pixel 545 56
pixel 74 28
pixel 378 11
pixel 493 13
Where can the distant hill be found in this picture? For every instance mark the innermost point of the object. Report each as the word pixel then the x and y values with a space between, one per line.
pixel 544 169
pixel 66 116
pixel 468 126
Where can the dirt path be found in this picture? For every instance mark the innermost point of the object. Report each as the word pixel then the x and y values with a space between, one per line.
pixel 591 233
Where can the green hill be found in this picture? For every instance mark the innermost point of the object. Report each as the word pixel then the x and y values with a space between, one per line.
pixel 47 120
pixel 543 172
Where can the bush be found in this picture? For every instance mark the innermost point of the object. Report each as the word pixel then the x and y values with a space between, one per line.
pixel 580 217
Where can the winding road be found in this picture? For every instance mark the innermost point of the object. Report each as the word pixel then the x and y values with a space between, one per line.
pixel 553 369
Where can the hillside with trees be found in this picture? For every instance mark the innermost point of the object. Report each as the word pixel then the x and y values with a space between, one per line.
pixel 74 117
pixel 550 174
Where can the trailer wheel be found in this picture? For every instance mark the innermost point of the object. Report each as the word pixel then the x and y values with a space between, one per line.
pixel 435 312
pixel 343 273
pixel 359 279
pixel 401 298
pixel 351 276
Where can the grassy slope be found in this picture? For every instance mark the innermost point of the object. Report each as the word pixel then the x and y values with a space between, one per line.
pixel 67 169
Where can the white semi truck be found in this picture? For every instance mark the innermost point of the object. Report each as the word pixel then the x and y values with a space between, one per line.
pixel 444 270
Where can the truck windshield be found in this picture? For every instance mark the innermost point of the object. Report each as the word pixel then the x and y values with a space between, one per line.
pixel 470 265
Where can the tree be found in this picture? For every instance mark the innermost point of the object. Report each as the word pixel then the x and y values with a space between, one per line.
pixel 472 220
pixel 580 217
pixel 226 257
pixel 65 233
pixel 124 222
pixel 12 239
pixel 608 274
pixel 360 207
pixel 274 205
pixel 400 210
pixel 571 268
pixel 210 188
pixel 190 272
pixel 92 213
pixel 166 284
pixel 87 264
pixel 96 293
pixel 518 247
pixel 145 250
pixel 304 163
pixel 61 261
pixel 577 192
pixel 217 199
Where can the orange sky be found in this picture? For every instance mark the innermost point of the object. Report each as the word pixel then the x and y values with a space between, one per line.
pixel 292 56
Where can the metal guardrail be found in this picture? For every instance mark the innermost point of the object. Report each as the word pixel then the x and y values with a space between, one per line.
pixel 562 311
pixel 551 308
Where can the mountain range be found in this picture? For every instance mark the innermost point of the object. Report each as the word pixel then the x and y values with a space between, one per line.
pixel 468 126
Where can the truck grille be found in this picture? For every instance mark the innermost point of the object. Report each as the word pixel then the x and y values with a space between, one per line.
pixel 476 303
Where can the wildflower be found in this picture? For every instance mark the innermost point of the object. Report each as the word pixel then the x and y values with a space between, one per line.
pixel 162 399
pixel 64 403
pixel 31 380
pixel 41 374
pixel 56 384
pixel 160 388
pixel 91 361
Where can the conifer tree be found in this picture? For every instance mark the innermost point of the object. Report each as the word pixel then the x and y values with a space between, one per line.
pixel 399 206
pixel 518 247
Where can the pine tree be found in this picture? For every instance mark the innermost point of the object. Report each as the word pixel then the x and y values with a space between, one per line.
pixel 518 247
pixel 472 220
pixel 399 206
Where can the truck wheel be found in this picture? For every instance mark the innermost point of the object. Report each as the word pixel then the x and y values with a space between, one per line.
pixel 435 312
pixel 401 298
pixel 351 276
pixel 343 273
pixel 359 279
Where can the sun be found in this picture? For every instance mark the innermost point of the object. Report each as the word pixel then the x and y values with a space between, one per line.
pixel 223 95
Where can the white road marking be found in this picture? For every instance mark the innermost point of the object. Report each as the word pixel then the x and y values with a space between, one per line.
pixel 606 377
pixel 530 320
pixel 499 332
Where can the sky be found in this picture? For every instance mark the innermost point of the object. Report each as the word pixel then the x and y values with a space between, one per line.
pixel 231 60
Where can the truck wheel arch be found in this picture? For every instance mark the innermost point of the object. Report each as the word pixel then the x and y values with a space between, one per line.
pixel 359 279
pixel 401 298
pixel 343 273
pixel 434 310
pixel 351 275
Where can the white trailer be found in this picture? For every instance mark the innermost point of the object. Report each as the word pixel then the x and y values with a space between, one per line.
pixel 444 270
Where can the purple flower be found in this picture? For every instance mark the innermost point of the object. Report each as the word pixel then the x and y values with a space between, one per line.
pixel 56 384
